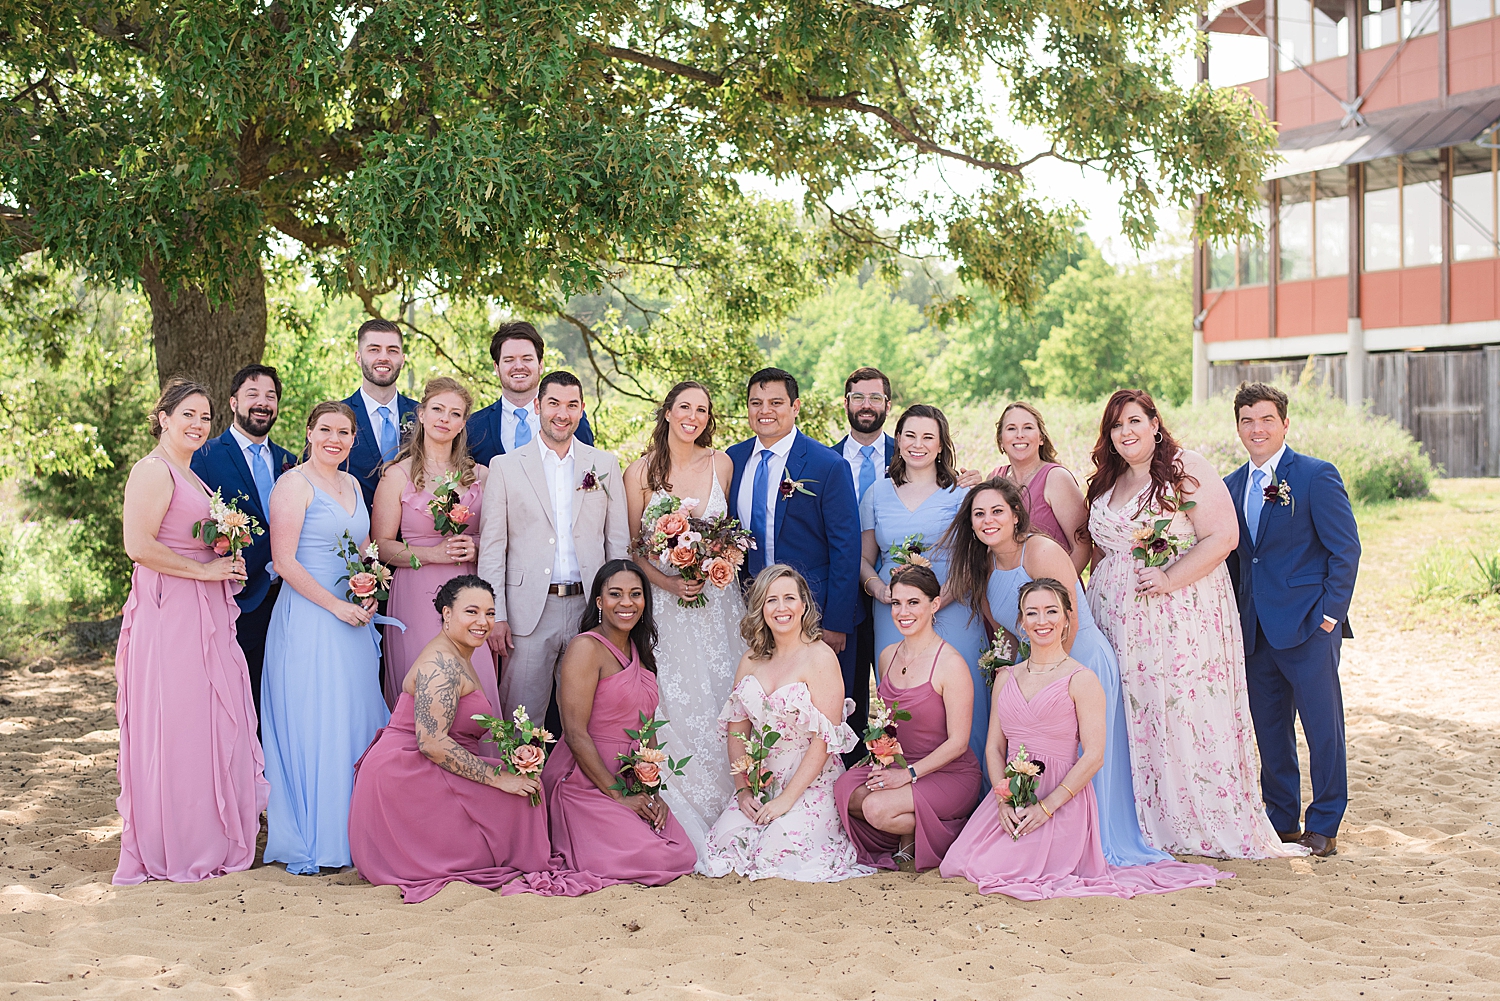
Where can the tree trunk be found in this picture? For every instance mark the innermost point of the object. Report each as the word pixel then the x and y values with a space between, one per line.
pixel 207 342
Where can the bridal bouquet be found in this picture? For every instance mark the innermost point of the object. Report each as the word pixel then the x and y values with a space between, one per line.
pixel 644 770
pixel 449 517
pixel 367 576
pixel 908 552
pixel 1005 651
pixel 880 737
pixel 522 744
pixel 1021 776
pixel 706 549
pixel 752 764
pixel 227 529
pixel 1154 546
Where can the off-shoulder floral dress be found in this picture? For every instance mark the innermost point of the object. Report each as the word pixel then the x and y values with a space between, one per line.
pixel 807 843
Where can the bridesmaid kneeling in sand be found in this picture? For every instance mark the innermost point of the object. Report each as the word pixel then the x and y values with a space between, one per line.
pixel 891 816
pixel 1051 703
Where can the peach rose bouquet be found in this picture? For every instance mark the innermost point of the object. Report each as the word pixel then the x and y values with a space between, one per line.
pixel 449 517
pixel 367 576
pixel 522 744
pixel 752 764
pixel 227 529
pixel 1021 777
pixel 880 733
pixel 644 769
pixel 706 549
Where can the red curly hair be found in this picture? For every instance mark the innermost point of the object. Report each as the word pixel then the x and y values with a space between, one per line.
pixel 1167 474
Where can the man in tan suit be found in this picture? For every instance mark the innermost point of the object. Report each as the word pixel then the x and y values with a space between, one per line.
pixel 554 513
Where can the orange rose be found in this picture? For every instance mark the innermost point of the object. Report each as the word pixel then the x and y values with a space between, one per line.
pixel 672 524
pixel 221 545
pixel 718 572
pixel 884 748
pixel 460 515
pixel 682 556
pixel 648 773
pixel 527 759
pixel 362 584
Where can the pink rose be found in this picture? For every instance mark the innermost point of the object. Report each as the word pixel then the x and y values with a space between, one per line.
pixel 672 524
pixel 362 584
pixel 718 572
pixel 648 773
pixel 459 514
pixel 527 759
pixel 221 545
pixel 682 556
pixel 884 748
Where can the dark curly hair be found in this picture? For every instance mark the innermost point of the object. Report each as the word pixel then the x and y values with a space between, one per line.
pixel 1167 474
pixel 968 558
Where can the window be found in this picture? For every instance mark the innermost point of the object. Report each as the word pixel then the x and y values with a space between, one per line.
pixel 1314 225
pixel 1231 264
pixel 1387 21
pixel 1465 11
pixel 1403 211
pixel 1309 32
pixel 1475 202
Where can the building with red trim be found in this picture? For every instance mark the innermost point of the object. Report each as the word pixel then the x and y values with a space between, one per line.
pixel 1379 271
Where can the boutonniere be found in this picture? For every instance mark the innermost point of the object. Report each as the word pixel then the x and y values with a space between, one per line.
pixel 1279 492
pixel 593 480
pixel 287 465
pixel 790 486
pixel 408 422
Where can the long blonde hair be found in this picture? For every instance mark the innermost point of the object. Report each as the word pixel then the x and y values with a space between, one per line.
pixel 753 629
pixel 415 448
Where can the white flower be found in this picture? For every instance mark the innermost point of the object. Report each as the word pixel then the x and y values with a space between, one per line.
pixel 520 715
pixel 372 551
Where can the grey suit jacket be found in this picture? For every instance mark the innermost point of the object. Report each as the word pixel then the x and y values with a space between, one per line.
pixel 518 536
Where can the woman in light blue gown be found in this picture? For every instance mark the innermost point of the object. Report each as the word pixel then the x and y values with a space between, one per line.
pixel 995 553
pixel 920 500
pixel 321 703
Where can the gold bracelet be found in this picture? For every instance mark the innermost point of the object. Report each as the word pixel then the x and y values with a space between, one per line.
pixel 865 585
pixel 1044 809
pixel 1071 793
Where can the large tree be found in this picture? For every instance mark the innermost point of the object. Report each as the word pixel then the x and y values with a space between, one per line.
pixel 525 150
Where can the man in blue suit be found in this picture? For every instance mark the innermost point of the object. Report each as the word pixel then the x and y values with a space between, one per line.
pixel 1294 576
pixel 868 451
pixel 796 496
pixel 244 463
pixel 513 420
pixel 382 416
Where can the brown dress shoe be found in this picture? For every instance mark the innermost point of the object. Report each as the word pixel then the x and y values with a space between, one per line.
pixel 1289 837
pixel 1318 845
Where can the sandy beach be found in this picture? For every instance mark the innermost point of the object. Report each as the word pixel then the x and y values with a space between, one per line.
pixel 1409 908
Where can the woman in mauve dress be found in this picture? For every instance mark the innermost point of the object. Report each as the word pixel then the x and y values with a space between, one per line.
pixel 1051 704
pixel 190 768
pixel 429 808
pixel 898 814
pixel 1049 491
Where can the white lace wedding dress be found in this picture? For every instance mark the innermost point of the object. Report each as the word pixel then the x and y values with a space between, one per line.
pixel 697 652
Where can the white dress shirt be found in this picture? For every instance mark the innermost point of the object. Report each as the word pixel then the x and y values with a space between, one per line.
pixel 372 410
pixel 774 474
pixel 562 482
pixel 509 422
pixel 855 460
pixel 1269 468
pixel 245 443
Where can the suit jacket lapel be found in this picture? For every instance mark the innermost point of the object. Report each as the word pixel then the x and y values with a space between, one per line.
pixel 1236 484
pixel 247 481
pixel 583 461
pixel 531 461
pixel 796 460
pixel 1283 468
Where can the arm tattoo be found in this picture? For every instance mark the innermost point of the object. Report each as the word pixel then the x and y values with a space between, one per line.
pixel 436 706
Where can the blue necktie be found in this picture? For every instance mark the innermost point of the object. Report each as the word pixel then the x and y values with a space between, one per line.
pixel 758 511
pixel 1255 502
pixel 866 471
pixel 523 428
pixel 388 438
pixel 260 472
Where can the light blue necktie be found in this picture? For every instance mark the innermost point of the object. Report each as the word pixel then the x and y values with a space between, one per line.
pixel 523 428
pixel 866 471
pixel 758 511
pixel 388 437
pixel 260 472
pixel 1255 502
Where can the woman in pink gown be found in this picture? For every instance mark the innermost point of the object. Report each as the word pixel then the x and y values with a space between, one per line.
pixel 891 816
pixel 599 835
pixel 191 774
pixel 1049 492
pixel 403 525
pixel 428 808
pixel 1051 704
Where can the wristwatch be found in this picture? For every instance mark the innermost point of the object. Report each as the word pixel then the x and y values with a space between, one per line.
pixel 913 772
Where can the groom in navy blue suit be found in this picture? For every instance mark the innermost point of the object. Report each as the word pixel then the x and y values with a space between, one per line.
pixel 382 416
pixel 1294 575
pixel 797 497
pixel 245 463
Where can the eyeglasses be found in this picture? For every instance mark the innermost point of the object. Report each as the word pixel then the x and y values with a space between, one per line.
pixel 859 399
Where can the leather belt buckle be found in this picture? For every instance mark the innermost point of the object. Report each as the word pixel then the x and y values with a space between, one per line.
pixel 565 590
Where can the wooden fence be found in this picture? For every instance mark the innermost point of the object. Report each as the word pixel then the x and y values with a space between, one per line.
pixel 1448 400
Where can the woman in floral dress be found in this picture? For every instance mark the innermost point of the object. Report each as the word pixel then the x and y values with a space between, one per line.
pixel 790 680
pixel 1176 629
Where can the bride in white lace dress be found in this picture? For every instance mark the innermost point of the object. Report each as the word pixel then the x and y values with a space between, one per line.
pixel 698 649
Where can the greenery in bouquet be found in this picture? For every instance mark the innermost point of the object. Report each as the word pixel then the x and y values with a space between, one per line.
pixel 645 768
pixel 522 744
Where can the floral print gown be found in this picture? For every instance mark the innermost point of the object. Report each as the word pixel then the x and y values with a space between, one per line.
pixel 807 843
pixel 1182 666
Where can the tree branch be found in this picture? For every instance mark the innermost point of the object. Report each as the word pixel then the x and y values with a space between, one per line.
pixel 589 340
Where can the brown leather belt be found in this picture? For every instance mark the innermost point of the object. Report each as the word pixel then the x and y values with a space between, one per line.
pixel 565 590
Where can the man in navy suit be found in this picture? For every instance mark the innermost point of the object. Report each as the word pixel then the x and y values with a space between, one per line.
pixel 868 451
pixel 382 416
pixel 796 496
pixel 1294 576
pixel 244 463
pixel 513 420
